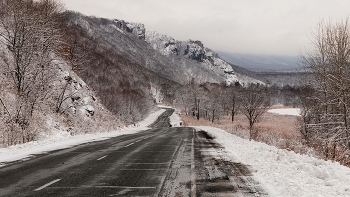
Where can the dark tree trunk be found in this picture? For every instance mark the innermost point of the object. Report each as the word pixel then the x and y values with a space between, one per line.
pixel 212 120
pixel 233 115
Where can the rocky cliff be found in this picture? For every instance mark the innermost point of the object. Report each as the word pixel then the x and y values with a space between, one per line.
pixel 136 28
pixel 197 52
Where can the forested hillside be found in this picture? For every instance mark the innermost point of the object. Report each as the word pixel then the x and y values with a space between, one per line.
pixel 39 91
pixel 125 87
pixel 123 38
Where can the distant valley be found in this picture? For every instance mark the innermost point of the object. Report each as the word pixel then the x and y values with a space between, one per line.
pixel 273 69
pixel 263 63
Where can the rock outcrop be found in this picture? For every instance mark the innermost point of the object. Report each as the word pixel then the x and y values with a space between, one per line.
pixel 136 28
pixel 197 52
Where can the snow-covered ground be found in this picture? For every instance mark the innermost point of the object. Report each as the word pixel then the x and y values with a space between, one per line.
pixel 61 140
pixel 281 172
pixel 285 173
pixel 175 120
pixel 286 111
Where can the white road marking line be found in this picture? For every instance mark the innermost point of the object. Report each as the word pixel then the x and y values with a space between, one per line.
pixel 140 169
pixel 165 163
pixel 149 137
pixel 105 186
pixel 165 151
pixel 193 174
pixel 102 158
pixel 139 140
pixel 125 187
pixel 130 144
pixel 46 185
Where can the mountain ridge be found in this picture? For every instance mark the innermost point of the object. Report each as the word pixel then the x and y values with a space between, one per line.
pixel 196 51
pixel 179 61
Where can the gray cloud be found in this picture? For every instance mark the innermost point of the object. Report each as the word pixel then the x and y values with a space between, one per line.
pixel 278 27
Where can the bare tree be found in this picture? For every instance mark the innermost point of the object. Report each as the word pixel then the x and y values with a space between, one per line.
pixel 216 100
pixel 253 105
pixel 329 121
pixel 30 32
pixel 193 95
pixel 233 100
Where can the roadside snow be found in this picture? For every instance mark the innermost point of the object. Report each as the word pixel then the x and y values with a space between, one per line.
pixel 150 119
pixel 285 173
pixel 63 140
pixel 175 120
pixel 286 111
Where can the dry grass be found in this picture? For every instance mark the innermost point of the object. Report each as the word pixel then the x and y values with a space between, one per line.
pixel 273 129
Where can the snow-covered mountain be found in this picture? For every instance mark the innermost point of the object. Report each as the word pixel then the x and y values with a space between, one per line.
pixel 131 68
pixel 179 61
pixel 198 53
pixel 127 40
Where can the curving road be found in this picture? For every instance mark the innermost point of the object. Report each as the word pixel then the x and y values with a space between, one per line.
pixel 161 161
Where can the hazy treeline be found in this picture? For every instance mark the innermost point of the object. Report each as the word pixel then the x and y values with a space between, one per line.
pixel 211 101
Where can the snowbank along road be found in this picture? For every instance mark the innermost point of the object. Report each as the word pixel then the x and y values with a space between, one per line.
pixel 161 161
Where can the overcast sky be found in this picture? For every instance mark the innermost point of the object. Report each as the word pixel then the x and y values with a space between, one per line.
pixel 271 27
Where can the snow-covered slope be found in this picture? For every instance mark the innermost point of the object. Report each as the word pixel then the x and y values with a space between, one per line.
pixel 70 106
pixel 195 51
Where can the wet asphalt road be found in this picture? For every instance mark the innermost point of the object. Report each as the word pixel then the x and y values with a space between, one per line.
pixel 162 161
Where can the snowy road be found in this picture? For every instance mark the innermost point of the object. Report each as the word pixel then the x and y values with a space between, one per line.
pixel 162 161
